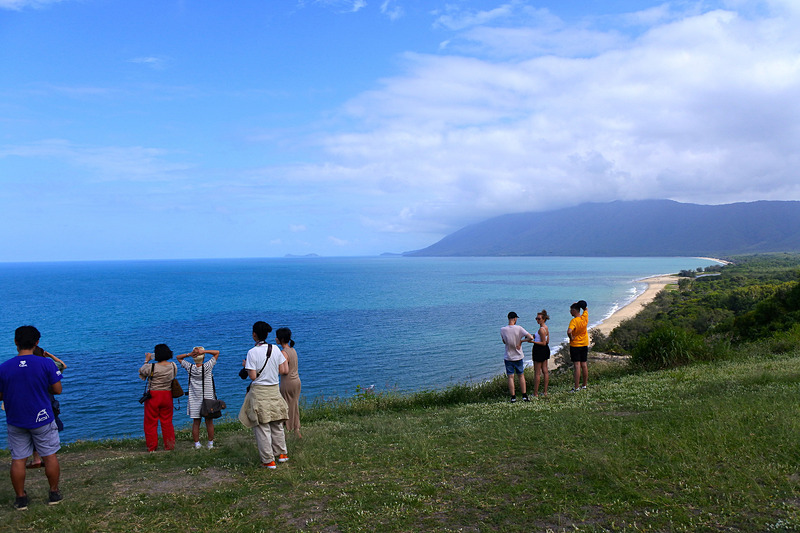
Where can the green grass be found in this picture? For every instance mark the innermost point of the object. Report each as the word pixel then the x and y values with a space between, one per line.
pixel 707 447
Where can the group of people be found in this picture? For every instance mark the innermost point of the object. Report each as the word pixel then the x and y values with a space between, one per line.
pixel 270 407
pixel 158 405
pixel 514 335
pixel 30 381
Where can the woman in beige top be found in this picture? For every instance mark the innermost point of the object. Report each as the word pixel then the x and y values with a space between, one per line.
pixel 290 383
pixel 159 406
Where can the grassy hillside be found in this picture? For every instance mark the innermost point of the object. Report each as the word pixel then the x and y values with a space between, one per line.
pixel 708 444
pixel 698 448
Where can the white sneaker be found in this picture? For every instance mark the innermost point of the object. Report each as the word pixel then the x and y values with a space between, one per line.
pixel 196 445
pixel 210 444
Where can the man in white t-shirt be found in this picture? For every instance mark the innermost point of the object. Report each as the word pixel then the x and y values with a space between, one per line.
pixel 512 336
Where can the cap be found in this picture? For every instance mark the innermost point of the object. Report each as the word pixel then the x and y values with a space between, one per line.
pixel 512 314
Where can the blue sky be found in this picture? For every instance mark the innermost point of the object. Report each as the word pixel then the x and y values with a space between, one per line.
pixel 198 129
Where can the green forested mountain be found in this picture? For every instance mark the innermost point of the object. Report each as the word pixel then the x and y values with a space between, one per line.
pixel 631 228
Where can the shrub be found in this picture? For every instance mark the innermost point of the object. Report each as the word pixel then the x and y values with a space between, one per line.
pixel 603 343
pixel 563 352
pixel 668 347
pixel 778 312
pixel 599 340
pixel 785 341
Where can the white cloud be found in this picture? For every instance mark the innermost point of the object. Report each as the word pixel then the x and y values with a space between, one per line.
pixel 392 10
pixel 453 17
pixel 107 163
pixel 157 63
pixel 344 6
pixel 338 242
pixel 296 228
pixel 21 4
pixel 700 107
pixel 650 17
pixel 79 92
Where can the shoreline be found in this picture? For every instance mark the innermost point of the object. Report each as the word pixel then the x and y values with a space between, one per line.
pixel 655 284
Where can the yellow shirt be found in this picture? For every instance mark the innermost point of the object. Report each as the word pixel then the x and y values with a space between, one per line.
pixel 578 325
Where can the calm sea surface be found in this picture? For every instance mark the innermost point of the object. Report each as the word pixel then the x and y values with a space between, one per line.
pixel 395 323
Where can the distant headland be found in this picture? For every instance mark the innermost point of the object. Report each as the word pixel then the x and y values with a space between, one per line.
pixel 643 228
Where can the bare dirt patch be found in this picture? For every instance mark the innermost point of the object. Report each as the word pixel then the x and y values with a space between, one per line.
pixel 175 482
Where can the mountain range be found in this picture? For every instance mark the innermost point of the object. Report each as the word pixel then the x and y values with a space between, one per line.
pixel 631 228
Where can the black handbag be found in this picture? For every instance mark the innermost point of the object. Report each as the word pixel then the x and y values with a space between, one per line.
pixel 146 394
pixel 210 408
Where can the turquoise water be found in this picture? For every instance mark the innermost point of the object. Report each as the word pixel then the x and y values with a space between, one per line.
pixel 392 322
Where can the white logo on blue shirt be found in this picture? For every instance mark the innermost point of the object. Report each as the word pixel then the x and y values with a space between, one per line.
pixel 23 364
pixel 42 415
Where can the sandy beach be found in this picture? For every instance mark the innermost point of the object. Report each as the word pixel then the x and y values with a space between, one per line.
pixel 654 285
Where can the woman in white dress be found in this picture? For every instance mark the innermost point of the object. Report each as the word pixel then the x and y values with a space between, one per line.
pixel 198 370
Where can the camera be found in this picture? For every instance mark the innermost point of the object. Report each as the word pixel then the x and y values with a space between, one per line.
pixel 146 396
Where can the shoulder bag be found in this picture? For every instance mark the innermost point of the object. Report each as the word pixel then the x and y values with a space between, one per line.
pixel 210 408
pixel 177 391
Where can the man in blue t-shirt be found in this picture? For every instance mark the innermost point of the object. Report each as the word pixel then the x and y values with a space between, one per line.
pixel 25 383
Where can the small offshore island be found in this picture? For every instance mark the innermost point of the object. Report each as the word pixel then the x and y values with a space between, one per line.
pixel 683 437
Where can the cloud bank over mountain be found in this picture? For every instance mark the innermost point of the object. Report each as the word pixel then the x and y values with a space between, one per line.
pixel 526 112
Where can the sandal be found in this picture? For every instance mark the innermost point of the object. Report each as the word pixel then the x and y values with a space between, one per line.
pixel 34 465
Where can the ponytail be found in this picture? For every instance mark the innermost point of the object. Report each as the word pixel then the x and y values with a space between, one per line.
pixel 284 336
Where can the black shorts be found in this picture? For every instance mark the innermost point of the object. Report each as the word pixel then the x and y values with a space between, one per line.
pixel 541 353
pixel 579 354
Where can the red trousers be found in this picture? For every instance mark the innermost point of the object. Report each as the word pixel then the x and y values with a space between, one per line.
pixel 159 407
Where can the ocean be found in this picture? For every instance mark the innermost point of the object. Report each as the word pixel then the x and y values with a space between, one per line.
pixel 395 323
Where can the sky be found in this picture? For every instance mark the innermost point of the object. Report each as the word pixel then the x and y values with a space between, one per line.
pixel 168 129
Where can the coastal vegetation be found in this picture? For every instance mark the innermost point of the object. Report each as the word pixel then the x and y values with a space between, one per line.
pixel 686 439
pixel 756 299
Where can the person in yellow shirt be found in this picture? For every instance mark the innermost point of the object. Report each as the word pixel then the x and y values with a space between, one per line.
pixel 579 343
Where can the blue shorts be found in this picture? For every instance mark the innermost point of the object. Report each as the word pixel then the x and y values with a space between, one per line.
pixel 21 441
pixel 514 367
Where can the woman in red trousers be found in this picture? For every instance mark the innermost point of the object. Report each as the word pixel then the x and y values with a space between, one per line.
pixel 159 406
